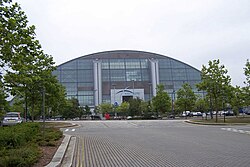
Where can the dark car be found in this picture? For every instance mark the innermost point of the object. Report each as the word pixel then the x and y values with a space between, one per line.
pixel 11 118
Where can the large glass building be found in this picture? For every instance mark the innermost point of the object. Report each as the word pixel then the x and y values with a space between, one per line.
pixel 116 76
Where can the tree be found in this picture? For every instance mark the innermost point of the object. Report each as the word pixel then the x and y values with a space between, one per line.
pixel 185 98
pixel 237 100
pixel 201 104
pixel 28 71
pixel 105 108
pixel 247 73
pixel 162 101
pixel 134 107
pixel 123 108
pixel 246 89
pixel 71 110
pixel 3 102
pixel 215 82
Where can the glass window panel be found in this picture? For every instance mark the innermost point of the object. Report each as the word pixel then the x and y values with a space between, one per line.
pixel 193 74
pixel 133 63
pixel 86 100
pixel 164 63
pixel 91 84
pixel 85 76
pixel 133 75
pixel 144 63
pixel 69 65
pixel 85 64
pixel 165 74
pixel 68 76
pixel 105 64
pixel 145 74
pixel 106 99
pixel 85 92
pixel 179 74
pixel 105 75
pixel 117 75
pixel 57 74
pixel 117 64
pixel 70 87
pixel 177 64
pixel 178 85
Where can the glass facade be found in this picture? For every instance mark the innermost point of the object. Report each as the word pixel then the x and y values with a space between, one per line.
pixel 132 70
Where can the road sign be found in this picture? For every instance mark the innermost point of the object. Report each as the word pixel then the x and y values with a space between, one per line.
pixel 116 104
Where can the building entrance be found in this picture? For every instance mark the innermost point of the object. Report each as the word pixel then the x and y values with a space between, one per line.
pixel 126 98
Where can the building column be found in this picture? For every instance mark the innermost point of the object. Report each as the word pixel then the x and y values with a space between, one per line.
pixel 154 74
pixel 97 82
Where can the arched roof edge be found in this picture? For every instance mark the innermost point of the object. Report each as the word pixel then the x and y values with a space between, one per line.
pixel 113 51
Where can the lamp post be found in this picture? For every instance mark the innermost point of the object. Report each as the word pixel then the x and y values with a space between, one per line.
pixel 114 90
pixel 149 84
pixel 133 87
pixel 173 98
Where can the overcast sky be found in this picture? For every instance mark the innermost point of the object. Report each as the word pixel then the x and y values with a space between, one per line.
pixel 192 31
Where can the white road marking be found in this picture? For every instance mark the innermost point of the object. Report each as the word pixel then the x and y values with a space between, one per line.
pixel 236 130
pixel 73 130
pixel 66 130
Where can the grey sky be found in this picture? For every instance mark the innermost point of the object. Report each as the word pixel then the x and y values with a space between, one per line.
pixel 192 31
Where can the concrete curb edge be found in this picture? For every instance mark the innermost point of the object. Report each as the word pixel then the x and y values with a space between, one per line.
pixel 59 155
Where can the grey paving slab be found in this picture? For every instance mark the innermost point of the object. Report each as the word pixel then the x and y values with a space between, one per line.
pixel 160 143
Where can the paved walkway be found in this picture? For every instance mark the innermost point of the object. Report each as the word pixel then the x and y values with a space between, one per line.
pixel 100 152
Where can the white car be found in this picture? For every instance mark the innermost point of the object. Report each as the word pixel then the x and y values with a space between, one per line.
pixel 12 118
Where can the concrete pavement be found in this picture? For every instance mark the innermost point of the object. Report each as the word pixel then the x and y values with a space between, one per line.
pixel 129 143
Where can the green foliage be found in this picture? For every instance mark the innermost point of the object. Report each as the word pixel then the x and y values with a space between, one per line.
pixel 21 157
pixel 71 109
pixel 201 105
pixel 216 83
pixel 123 108
pixel 185 98
pixel 105 108
pixel 161 102
pixel 246 89
pixel 28 70
pixel 247 73
pixel 19 144
pixel 134 107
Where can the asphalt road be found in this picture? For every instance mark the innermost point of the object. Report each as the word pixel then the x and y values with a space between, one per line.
pixel 159 143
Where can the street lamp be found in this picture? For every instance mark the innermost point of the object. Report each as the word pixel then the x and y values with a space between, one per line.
pixel 149 90
pixel 133 87
pixel 173 98
pixel 114 90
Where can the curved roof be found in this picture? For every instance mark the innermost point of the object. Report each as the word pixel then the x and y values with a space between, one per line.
pixel 123 54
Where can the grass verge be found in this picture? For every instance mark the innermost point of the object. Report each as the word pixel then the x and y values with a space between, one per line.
pixel 228 120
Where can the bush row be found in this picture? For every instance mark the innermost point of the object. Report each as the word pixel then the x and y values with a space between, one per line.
pixel 19 145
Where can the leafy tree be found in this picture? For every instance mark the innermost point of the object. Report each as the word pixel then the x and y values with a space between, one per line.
pixel 105 108
pixel 215 82
pixel 123 108
pixel 28 71
pixel 162 101
pixel 237 100
pixel 144 107
pixel 71 109
pixel 134 107
pixel 246 89
pixel 185 98
pixel 247 73
pixel 3 102
pixel 201 104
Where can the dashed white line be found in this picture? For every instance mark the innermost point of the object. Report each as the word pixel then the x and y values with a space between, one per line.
pixel 236 130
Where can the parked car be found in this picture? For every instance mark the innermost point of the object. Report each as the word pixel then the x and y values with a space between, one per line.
pixel 229 113
pixel 11 118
